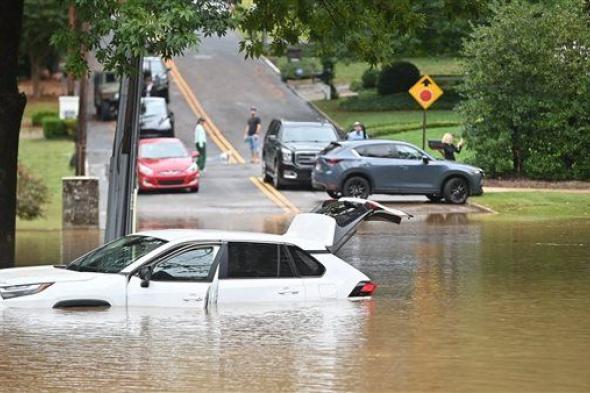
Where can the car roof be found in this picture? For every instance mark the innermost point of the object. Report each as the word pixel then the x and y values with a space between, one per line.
pixel 152 58
pixel 178 235
pixel 153 100
pixel 158 140
pixel 303 123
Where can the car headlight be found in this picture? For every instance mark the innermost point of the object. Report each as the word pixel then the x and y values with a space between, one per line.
pixel 23 290
pixel 116 96
pixel 192 168
pixel 146 170
pixel 287 156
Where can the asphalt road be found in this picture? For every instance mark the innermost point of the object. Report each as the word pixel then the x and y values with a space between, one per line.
pixel 217 82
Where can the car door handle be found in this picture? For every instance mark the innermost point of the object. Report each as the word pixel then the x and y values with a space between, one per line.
pixel 192 299
pixel 288 291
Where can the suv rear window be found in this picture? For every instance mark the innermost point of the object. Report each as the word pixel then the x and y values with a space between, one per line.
pixel 306 264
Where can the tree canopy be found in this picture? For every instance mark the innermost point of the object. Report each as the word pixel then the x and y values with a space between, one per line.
pixel 527 90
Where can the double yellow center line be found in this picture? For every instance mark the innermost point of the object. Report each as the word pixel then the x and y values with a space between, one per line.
pixel 271 193
pixel 224 145
pixel 212 130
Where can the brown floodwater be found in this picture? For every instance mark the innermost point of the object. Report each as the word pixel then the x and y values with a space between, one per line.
pixel 464 305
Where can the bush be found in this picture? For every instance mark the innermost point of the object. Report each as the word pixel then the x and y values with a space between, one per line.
pixel 355 86
pixel 370 77
pixel 307 67
pixel 31 195
pixel 370 101
pixel 71 127
pixel 54 128
pixel 37 117
pixel 397 78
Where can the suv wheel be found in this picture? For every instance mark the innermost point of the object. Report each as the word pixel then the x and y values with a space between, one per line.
pixel 105 110
pixel 276 180
pixel 456 190
pixel 265 176
pixel 357 187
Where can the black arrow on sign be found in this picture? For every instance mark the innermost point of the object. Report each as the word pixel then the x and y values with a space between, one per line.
pixel 426 82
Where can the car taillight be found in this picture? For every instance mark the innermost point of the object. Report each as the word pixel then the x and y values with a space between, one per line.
pixel 363 288
pixel 332 161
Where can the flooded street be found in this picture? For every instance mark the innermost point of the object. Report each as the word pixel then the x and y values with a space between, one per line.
pixel 465 304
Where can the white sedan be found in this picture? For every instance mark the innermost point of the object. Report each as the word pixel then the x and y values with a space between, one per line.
pixel 201 268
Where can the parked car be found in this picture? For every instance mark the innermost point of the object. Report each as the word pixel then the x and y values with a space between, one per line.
pixel 200 268
pixel 155 119
pixel 155 67
pixel 363 168
pixel 106 94
pixel 290 150
pixel 164 163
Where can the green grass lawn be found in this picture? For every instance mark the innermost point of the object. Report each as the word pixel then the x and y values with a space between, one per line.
pixel 537 205
pixel 346 73
pixel 48 159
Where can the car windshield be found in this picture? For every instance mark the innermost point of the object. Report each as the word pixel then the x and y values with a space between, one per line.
pixel 324 133
pixel 153 108
pixel 162 150
pixel 110 77
pixel 117 255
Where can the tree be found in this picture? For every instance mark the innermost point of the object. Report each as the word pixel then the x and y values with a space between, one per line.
pixel 42 18
pixel 527 91
pixel 120 30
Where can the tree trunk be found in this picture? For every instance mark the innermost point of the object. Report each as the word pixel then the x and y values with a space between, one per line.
pixel 12 105
pixel 36 75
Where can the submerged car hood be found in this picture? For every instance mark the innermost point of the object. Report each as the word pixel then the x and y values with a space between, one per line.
pixel 167 164
pixel 41 274
pixel 309 146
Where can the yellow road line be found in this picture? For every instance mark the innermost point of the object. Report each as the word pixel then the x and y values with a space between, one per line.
pixel 198 109
pixel 273 191
pixel 261 186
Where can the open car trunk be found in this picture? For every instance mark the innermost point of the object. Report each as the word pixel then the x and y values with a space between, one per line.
pixel 336 221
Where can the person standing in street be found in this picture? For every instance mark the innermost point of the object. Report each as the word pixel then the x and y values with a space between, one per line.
pixel 252 135
pixel 358 133
pixel 201 143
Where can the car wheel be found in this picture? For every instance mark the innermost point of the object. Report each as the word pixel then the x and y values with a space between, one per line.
pixel 434 197
pixel 456 190
pixel 276 179
pixel 357 187
pixel 167 95
pixel 265 176
pixel 334 194
pixel 105 110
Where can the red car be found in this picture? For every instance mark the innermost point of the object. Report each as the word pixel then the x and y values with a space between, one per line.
pixel 164 163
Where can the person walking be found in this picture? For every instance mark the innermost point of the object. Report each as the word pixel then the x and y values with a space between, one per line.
pixel 449 149
pixel 252 135
pixel 358 133
pixel 201 143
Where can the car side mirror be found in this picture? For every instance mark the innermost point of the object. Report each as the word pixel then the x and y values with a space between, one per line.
pixel 425 160
pixel 145 273
pixel 272 138
pixel 195 154
pixel 171 115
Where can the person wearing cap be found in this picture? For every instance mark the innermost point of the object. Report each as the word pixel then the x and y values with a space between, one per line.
pixel 251 135
pixel 358 133
pixel 201 143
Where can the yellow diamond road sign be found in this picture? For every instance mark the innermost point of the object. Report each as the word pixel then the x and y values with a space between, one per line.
pixel 426 92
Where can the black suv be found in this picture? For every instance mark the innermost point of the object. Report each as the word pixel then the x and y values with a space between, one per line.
pixel 290 150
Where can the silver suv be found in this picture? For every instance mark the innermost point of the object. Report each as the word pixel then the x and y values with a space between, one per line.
pixel 362 168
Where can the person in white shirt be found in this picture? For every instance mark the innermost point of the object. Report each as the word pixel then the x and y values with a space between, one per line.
pixel 201 143
pixel 358 133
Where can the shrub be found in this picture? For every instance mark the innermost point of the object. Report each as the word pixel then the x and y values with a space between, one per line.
pixel 370 77
pixel 397 78
pixel 355 86
pixel 54 128
pixel 31 195
pixel 71 127
pixel 37 117
pixel 370 101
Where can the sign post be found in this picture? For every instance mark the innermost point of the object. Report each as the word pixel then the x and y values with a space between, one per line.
pixel 425 92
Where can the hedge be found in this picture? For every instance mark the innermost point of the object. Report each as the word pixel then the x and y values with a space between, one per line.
pixel 54 128
pixel 371 101
pixel 37 117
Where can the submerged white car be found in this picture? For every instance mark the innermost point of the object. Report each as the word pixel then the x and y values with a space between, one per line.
pixel 201 268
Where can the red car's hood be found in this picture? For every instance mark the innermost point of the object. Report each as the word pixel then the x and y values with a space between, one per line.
pixel 167 164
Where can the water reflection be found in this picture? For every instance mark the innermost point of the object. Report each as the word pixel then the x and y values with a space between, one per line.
pixel 464 304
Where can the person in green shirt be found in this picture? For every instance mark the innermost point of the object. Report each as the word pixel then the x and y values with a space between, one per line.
pixel 201 143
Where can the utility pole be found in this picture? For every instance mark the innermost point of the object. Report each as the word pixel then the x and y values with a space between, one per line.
pixel 122 171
